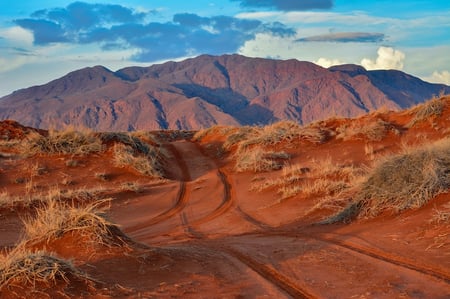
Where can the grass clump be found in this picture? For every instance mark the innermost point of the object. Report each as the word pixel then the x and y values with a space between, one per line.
pixel 69 141
pixel 404 181
pixel 375 130
pixel 321 179
pixel 27 268
pixel 55 218
pixel 431 108
pixel 127 139
pixel 257 159
pixel 130 150
pixel 30 199
pixel 147 164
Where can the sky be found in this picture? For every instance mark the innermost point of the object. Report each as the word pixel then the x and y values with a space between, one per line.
pixel 43 40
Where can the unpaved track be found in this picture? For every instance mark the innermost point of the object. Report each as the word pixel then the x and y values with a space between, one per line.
pixel 194 226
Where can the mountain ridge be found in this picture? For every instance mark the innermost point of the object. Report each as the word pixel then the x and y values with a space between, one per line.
pixel 208 90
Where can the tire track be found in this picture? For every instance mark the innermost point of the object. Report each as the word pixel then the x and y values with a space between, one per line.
pixel 181 198
pixel 189 230
pixel 179 205
pixel 225 205
pixel 388 258
pixel 371 253
pixel 253 220
pixel 271 275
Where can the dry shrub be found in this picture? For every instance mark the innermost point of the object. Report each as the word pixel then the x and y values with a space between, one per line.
pixel 69 141
pixel 54 193
pixel 130 150
pixel 431 108
pixel 404 181
pixel 252 144
pixel 240 137
pixel 257 159
pixel 55 218
pixel 27 268
pixel 374 130
pixel 127 139
pixel 322 178
pixel 214 130
pixel 149 163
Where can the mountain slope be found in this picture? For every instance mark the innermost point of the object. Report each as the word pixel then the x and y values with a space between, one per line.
pixel 208 90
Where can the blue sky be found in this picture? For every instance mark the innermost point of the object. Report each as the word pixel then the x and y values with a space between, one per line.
pixel 43 40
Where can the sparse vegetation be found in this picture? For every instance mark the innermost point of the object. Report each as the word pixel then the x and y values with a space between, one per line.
pixel 426 111
pixel 147 164
pixel 441 216
pixel 132 186
pixel 404 181
pixel 27 268
pixel 322 178
pixel 129 150
pixel 257 159
pixel 55 219
pixel 69 141
pixel 375 130
pixel 54 193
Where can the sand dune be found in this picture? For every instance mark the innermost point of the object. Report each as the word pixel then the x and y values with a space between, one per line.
pixel 232 212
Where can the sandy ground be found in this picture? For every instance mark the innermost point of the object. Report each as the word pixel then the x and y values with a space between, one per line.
pixel 203 233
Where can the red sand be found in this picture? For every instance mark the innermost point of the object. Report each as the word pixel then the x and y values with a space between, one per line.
pixel 203 234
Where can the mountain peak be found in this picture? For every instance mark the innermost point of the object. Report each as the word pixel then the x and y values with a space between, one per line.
pixel 208 90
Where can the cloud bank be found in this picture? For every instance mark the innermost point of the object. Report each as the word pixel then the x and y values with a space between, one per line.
pixel 117 27
pixel 287 5
pixel 388 58
pixel 345 37
pixel 440 77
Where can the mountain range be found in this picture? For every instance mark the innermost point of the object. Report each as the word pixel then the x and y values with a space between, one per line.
pixel 208 90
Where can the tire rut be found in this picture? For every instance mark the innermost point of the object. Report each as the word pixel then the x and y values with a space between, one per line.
pixel 368 252
pixel 388 258
pixel 189 230
pixel 225 205
pixel 271 275
pixel 181 199
pixel 179 205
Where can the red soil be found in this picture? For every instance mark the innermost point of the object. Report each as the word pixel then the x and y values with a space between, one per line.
pixel 203 233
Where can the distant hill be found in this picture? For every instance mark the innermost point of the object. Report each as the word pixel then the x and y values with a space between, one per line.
pixel 208 90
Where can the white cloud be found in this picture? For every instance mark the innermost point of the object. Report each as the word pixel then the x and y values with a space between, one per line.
pixel 267 45
pixel 309 17
pixel 388 58
pixel 326 63
pixel 439 77
pixel 17 35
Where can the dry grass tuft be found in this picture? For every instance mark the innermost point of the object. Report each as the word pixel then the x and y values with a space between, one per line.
pixel 441 216
pixel 28 200
pixel 431 108
pixel 69 141
pixel 129 150
pixel 55 219
pixel 148 164
pixel 257 159
pixel 127 139
pixel 323 178
pixel 400 182
pixel 251 145
pixel 375 130
pixel 214 130
pixel 27 268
